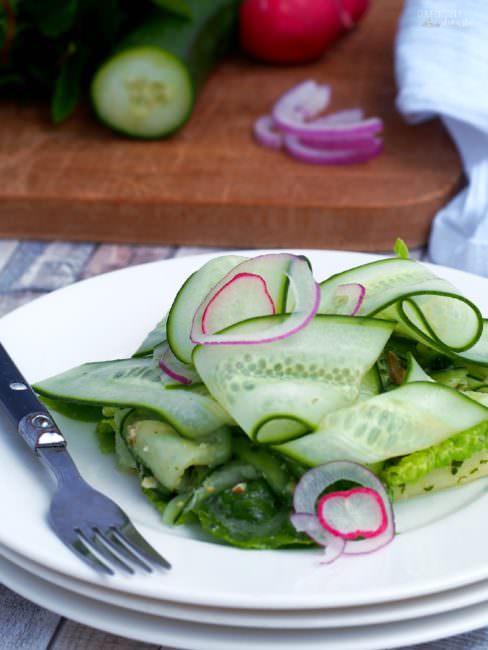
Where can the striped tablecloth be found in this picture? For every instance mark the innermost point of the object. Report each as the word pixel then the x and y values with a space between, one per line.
pixel 29 269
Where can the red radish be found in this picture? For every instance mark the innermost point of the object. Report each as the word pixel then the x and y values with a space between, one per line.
pixel 225 308
pixel 348 298
pixel 359 512
pixel 287 280
pixel 294 31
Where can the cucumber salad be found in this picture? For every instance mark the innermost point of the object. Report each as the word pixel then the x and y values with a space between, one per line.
pixel 275 409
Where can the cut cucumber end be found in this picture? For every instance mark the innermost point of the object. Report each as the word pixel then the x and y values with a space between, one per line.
pixel 143 92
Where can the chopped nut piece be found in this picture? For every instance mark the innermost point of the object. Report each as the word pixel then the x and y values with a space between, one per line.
pixel 239 488
pixel 131 434
pixel 149 482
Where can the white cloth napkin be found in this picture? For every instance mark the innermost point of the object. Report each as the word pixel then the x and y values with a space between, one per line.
pixel 442 70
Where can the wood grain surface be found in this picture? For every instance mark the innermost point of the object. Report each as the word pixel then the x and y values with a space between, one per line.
pixel 211 184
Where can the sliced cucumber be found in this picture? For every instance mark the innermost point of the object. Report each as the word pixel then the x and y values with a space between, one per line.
pixel 371 384
pixel 167 455
pixel 136 383
pixel 280 390
pixel 147 89
pixel 189 297
pixel 427 308
pixel 415 372
pixel 412 417
pixel 155 338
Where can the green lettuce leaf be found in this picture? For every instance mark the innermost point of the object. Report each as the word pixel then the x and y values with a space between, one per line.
pixel 249 517
pixel 449 453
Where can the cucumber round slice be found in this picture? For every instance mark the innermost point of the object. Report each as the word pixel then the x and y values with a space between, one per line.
pixel 143 92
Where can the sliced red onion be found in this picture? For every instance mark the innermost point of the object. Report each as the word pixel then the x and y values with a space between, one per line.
pixel 225 307
pixel 293 125
pixel 309 524
pixel 266 133
pixel 348 298
pixel 333 550
pixel 304 101
pixel 174 368
pixel 315 156
pixel 305 522
pixel 359 512
pixel 314 482
pixel 305 293
pixel 347 116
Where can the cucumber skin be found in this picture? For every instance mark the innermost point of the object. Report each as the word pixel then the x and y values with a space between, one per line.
pixel 197 44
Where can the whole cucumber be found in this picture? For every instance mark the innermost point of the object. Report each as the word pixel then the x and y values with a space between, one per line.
pixel 148 87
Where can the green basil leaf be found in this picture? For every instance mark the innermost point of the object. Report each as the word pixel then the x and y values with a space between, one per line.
pixel 67 87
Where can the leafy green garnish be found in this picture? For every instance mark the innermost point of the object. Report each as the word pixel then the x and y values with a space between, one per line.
pixel 249 516
pixel 448 453
pixel 401 249
pixel 105 436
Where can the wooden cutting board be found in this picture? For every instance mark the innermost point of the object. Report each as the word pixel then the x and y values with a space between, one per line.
pixel 211 184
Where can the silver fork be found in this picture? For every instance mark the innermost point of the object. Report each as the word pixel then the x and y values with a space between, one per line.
pixel 90 524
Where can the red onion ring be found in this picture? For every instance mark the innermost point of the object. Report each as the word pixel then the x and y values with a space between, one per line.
pixel 310 525
pixel 266 133
pixel 175 369
pixel 313 483
pixel 315 156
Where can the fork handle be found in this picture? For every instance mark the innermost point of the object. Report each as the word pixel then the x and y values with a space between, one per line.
pixel 39 431
pixel 42 435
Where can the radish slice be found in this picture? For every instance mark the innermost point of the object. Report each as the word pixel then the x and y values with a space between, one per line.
pixel 348 298
pixel 266 133
pixel 278 271
pixel 314 482
pixel 359 512
pixel 174 368
pixel 310 524
pixel 226 306
pixel 319 156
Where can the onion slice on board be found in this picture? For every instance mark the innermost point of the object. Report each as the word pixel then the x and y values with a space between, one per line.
pixel 277 270
pixel 266 133
pixel 321 156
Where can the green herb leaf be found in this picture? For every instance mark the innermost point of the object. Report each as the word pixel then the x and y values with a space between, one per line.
pixel 67 88
pixel 179 7
pixel 401 249
pixel 251 517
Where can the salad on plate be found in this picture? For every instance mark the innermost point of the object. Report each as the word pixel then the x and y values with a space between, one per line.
pixel 274 410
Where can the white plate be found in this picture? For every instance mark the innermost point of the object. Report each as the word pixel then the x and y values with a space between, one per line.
pixel 393 611
pixel 442 546
pixel 195 636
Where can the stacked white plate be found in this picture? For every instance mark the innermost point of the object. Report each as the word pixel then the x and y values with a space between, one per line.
pixel 431 582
